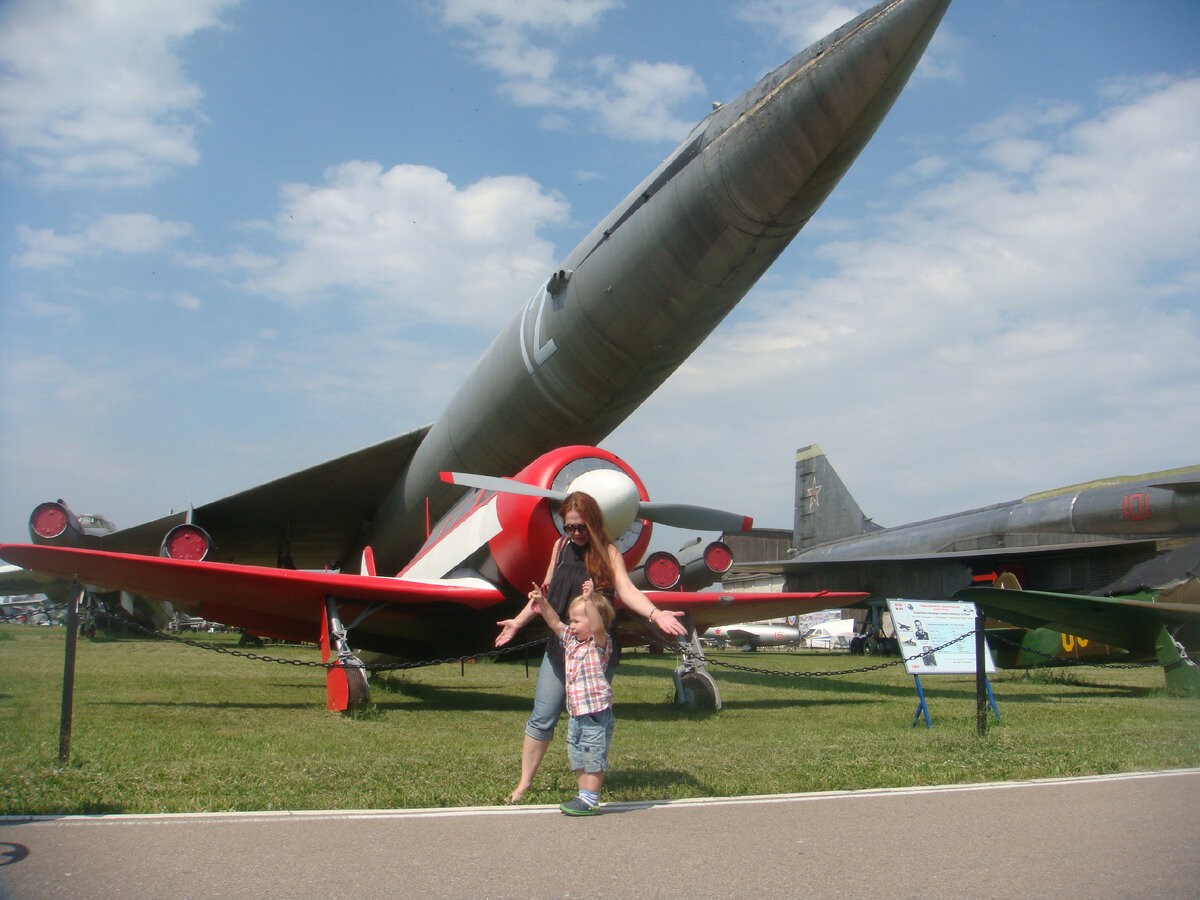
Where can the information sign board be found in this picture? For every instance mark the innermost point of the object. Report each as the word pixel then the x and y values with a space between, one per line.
pixel 924 628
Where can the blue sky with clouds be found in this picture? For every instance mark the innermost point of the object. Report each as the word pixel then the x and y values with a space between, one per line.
pixel 239 238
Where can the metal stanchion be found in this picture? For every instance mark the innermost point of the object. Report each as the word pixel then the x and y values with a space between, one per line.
pixel 981 693
pixel 68 692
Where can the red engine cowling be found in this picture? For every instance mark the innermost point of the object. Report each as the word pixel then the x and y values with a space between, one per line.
pixel 54 523
pixel 530 526
pixel 661 571
pixel 714 561
pixel 186 541
pixel 718 557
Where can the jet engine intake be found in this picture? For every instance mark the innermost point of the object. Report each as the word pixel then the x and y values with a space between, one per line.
pixel 660 572
pixel 714 561
pixel 54 523
pixel 186 541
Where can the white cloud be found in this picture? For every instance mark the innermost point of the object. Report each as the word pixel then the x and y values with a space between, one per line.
pixel 86 398
pixel 410 243
pixel 639 99
pixel 1016 154
pixel 799 23
pixel 37 307
pixel 540 14
pixel 503 35
pixel 94 93
pixel 1019 123
pixel 118 233
pixel 633 99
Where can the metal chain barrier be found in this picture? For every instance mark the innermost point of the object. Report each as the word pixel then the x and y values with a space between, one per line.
pixel 693 658
pixel 679 649
pixel 47 611
pixel 372 667
pixel 495 652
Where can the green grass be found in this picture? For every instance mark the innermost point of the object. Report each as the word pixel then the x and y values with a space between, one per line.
pixel 160 727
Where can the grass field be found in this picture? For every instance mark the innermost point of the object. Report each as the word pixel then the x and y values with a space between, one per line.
pixel 162 727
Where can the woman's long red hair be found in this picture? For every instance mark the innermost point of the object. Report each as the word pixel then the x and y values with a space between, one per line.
pixel 596 556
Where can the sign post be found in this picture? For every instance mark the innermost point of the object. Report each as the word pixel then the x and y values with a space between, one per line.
pixel 982 691
pixel 935 639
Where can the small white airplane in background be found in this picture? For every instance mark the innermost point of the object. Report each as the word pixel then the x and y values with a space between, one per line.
pixel 834 635
pixel 752 635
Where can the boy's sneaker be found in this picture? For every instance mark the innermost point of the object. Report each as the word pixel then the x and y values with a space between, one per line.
pixel 576 807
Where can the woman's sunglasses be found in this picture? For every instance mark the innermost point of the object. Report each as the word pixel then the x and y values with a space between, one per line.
pixel 576 529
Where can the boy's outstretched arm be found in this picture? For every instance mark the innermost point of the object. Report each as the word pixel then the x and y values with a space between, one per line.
pixel 542 605
pixel 599 632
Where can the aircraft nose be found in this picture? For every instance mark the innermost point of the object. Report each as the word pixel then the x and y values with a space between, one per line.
pixel 806 122
pixel 616 494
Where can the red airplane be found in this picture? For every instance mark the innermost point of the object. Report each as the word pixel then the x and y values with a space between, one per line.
pixel 609 324
pixel 471 573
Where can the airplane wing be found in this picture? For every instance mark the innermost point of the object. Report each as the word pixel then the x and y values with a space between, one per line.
pixel 738 634
pixel 1133 624
pixel 14 580
pixel 283 603
pixel 711 609
pixel 314 517
pixel 288 603
pixel 785 566
pixel 936 573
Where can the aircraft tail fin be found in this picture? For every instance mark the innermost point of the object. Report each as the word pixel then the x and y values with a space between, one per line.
pixel 825 509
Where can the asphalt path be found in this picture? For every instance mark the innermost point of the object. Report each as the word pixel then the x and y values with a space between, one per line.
pixel 1115 836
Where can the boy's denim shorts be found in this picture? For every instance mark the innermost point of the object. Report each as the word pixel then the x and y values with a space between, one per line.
pixel 588 738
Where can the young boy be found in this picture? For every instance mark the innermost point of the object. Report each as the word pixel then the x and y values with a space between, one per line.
pixel 589 695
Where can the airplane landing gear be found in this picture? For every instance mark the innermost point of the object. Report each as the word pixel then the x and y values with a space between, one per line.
pixel 697 690
pixel 346 687
pixel 694 687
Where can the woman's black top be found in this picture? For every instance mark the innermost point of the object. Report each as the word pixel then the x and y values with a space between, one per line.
pixel 566 583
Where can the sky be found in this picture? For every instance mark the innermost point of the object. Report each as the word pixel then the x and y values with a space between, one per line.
pixel 239 238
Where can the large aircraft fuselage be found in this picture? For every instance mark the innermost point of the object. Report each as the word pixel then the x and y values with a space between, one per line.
pixel 1074 539
pixel 628 305
pixel 1166 505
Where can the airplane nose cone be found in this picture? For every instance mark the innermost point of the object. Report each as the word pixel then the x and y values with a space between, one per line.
pixel 806 122
pixel 616 494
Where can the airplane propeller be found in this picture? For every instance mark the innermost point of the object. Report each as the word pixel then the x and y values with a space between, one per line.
pixel 618 498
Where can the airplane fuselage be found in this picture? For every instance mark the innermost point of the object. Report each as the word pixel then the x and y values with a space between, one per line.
pixel 1162 505
pixel 628 305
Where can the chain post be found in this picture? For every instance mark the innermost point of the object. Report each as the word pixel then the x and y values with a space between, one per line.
pixel 68 689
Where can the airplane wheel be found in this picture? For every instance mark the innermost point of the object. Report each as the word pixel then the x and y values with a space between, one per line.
pixel 699 691
pixel 346 689
pixel 872 647
pixel 358 693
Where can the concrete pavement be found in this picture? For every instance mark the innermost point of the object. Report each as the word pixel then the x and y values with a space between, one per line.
pixel 1118 836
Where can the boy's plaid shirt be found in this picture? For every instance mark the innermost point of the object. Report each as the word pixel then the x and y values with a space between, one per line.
pixel 588 691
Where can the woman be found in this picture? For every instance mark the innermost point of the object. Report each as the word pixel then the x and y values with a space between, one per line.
pixel 586 553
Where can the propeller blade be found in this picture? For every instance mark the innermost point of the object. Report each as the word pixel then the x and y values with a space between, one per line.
pixel 676 515
pixel 698 518
pixel 500 485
